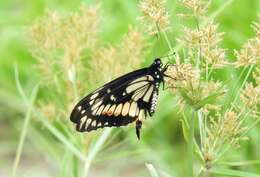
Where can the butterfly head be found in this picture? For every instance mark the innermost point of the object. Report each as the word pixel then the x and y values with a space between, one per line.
pixel 157 63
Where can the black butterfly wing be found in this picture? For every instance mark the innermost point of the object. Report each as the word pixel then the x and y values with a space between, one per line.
pixel 117 103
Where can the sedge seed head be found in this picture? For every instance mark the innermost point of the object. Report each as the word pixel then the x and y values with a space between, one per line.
pixel 155 15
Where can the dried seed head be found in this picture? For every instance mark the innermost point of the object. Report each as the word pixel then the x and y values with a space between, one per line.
pixel 181 72
pixel 58 41
pixel 249 54
pixel 256 76
pixel 214 57
pixel 49 110
pixel 230 125
pixel 117 60
pixel 206 37
pixel 224 129
pixel 155 15
pixel 191 38
pixel 250 96
pixel 198 7
pixel 210 35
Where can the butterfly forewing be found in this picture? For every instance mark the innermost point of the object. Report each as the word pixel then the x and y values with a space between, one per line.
pixel 117 103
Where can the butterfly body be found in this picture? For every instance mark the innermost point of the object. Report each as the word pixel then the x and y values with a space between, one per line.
pixel 124 100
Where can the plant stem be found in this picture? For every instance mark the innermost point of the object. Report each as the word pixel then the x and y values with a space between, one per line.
pixel 94 150
pixel 29 105
pixel 243 84
pixel 190 145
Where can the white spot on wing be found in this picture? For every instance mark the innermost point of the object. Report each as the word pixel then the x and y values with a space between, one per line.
pixel 88 122
pixel 94 96
pixel 91 102
pixel 79 108
pixel 95 111
pixel 97 104
pixel 94 123
pixel 100 110
pixel 112 98
pixel 82 121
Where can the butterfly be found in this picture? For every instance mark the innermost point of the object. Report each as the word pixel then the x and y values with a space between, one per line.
pixel 129 98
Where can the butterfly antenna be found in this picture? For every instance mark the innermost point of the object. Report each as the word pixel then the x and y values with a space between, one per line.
pixel 169 55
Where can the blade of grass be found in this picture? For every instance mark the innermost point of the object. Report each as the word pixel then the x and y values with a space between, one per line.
pixel 240 163
pixel 95 149
pixel 67 157
pixel 242 85
pixel 190 145
pixel 46 123
pixel 26 121
pixel 151 170
pixel 60 136
pixel 236 173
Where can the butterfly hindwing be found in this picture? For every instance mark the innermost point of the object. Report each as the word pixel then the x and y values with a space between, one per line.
pixel 117 103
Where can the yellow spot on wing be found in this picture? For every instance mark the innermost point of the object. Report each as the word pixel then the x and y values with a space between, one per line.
pixel 125 109
pixel 111 110
pixel 106 109
pixel 118 109
pixel 141 115
pixel 132 109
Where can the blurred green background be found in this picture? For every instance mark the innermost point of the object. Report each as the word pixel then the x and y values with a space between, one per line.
pixel 162 143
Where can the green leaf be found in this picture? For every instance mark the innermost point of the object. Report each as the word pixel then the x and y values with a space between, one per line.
pixel 240 163
pixel 209 99
pixel 185 130
pixel 236 173
pixel 183 93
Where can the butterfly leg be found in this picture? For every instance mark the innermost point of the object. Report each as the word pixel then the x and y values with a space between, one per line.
pixel 138 126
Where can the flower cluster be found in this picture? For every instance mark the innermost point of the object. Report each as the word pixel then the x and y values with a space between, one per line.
pixel 155 15
pixel 249 54
pixel 205 43
pixel 198 7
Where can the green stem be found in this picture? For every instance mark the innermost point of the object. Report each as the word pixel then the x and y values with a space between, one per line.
pixel 94 151
pixel 190 145
pixel 168 42
pixel 26 121
pixel 243 84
